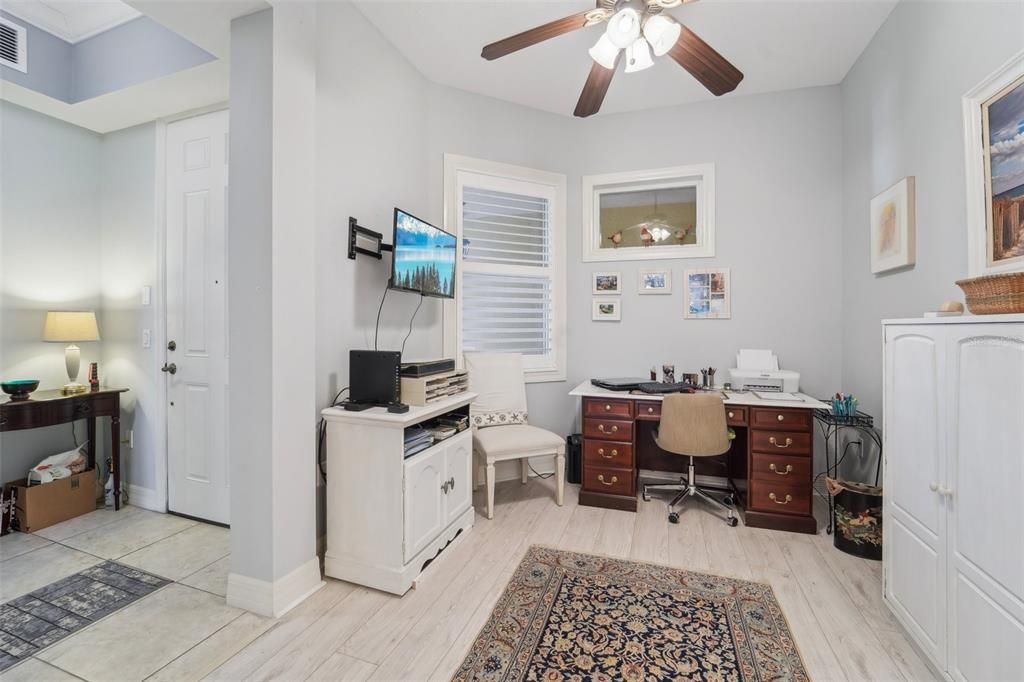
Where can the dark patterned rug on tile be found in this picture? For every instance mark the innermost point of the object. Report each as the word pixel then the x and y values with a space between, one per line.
pixel 38 619
pixel 569 616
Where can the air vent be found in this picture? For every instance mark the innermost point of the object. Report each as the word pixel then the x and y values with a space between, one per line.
pixel 13 49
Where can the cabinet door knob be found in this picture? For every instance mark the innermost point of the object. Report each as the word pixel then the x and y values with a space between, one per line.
pixel 946 492
pixel 933 486
pixel 600 477
pixel 787 472
pixel 731 415
pixel 650 410
pixel 607 408
pixel 781 418
pixel 775 499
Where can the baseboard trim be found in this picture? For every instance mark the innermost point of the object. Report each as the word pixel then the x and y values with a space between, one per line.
pixel 146 498
pixel 276 598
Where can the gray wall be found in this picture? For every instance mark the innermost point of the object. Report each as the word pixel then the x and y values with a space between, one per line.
pixel 49 63
pixel 901 116
pixel 49 259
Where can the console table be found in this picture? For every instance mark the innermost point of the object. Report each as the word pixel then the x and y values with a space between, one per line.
pixel 770 464
pixel 49 408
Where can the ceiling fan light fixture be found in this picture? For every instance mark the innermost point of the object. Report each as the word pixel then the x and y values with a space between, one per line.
pixel 638 56
pixel 624 27
pixel 604 52
pixel 662 33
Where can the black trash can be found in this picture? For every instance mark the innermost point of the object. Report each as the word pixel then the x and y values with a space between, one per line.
pixel 573 454
pixel 858 518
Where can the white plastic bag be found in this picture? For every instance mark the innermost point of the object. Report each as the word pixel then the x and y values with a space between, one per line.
pixel 58 466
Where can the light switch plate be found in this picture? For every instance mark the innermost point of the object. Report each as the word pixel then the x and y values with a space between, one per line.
pixel 147 338
pixel 147 296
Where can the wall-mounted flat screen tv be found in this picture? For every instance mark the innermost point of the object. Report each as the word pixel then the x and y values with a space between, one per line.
pixel 424 257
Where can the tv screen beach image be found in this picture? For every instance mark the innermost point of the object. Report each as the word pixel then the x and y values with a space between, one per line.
pixel 424 257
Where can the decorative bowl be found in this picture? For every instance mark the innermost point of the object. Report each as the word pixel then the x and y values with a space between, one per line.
pixel 19 388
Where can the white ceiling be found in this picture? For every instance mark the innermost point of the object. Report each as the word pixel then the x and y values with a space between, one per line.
pixel 777 44
pixel 72 20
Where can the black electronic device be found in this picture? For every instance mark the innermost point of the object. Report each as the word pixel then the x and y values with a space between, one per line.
pixel 374 378
pixel 427 368
pixel 621 384
pixel 658 388
pixel 423 257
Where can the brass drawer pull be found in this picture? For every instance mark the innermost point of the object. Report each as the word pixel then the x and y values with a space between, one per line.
pixel 731 415
pixel 600 477
pixel 781 418
pixel 607 408
pixel 615 453
pixel 614 429
pixel 789 441
pixel 650 410
pixel 787 472
pixel 773 498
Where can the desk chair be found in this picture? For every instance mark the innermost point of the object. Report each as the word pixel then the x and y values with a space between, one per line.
pixel 692 425
pixel 499 419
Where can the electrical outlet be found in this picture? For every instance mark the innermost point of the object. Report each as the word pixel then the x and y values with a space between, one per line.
pixel 147 338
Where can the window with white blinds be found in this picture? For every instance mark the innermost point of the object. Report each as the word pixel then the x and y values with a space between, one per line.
pixel 510 222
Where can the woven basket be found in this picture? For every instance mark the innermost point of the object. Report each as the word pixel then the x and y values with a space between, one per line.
pixel 994 294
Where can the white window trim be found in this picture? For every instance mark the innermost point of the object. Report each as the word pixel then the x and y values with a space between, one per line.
pixel 556 182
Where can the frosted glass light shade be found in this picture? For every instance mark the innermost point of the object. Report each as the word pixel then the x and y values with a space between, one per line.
pixel 70 326
pixel 638 56
pixel 624 27
pixel 604 52
pixel 662 33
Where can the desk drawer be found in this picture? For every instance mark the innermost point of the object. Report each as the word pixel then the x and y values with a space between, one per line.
pixel 593 407
pixel 780 468
pixel 608 429
pixel 736 416
pixel 608 480
pixel 607 454
pixel 781 442
pixel 779 498
pixel 648 409
pixel 780 418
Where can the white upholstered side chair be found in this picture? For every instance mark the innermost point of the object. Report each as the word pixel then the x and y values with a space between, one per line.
pixel 499 419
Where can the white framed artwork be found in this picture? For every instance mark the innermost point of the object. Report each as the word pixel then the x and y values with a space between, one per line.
pixel 707 294
pixel 607 309
pixel 993 114
pixel 649 214
pixel 605 283
pixel 655 282
pixel 893 230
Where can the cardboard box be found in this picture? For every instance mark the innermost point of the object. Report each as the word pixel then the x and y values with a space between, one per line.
pixel 44 505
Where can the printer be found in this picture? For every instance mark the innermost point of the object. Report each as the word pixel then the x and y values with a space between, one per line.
pixel 758 370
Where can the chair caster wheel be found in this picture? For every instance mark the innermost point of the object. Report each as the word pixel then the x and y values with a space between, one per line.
pixel 727 500
pixel 673 517
pixel 733 522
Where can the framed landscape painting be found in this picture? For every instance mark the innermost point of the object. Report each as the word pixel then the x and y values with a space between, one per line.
pixel 994 148
pixel 892 227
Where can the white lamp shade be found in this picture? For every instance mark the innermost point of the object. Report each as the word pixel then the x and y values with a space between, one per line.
pixel 638 56
pixel 624 27
pixel 661 32
pixel 604 52
pixel 71 326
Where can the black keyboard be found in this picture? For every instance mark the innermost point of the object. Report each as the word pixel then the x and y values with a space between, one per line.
pixel 656 388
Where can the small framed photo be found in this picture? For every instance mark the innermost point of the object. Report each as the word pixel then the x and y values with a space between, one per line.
pixel 607 309
pixel 655 282
pixel 607 283
pixel 708 294
pixel 892 227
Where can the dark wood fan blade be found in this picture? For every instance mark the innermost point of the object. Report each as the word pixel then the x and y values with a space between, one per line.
pixel 594 90
pixel 534 35
pixel 712 69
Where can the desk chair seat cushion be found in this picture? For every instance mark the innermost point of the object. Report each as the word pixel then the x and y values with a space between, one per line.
pixel 693 425
pixel 497 379
pixel 516 441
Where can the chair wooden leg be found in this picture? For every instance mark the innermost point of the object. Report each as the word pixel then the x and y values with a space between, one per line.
pixel 490 490
pixel 524 470
pixel 559 479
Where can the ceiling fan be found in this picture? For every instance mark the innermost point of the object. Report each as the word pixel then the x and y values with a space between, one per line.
pixel 639 28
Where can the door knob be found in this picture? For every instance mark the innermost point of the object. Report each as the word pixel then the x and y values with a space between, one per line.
pixel 171 345
pixel 169 368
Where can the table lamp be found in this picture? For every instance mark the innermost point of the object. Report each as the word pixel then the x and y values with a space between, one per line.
pixel 68 327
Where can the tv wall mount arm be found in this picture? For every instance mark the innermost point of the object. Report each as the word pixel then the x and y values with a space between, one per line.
pixel 363 240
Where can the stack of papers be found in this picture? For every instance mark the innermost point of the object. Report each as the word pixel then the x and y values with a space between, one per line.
pixel 778 395
pixel 417 439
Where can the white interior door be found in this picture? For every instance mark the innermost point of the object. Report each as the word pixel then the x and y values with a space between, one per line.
pixel 915 517
pixel 197 448
pixel 986 561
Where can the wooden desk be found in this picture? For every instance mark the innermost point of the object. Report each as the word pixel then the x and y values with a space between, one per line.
pixel 770 463
pixel 49 408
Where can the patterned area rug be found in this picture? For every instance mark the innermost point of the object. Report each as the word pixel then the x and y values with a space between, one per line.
pixel 569 616
pixel 41 618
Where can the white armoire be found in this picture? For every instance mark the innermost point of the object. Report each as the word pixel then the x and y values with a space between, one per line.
pixel 953 565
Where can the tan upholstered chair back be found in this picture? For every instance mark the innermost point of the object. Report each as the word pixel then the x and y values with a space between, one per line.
pixel 693 424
